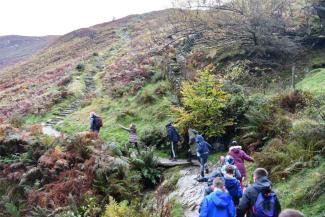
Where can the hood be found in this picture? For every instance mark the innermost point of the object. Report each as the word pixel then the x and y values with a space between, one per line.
pixel 235 149
pixel 230 182
pixel 168 125
pixel 199 139
pixel 263 184
pixel 220 199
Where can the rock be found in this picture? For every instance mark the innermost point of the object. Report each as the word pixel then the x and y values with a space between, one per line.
pixel 219 146
pixel 297 166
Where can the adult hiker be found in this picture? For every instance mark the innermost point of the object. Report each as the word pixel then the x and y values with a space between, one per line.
pixel 239 156
pixel 96 122
pixel 173 138
pixel 192 134
pixel 232 184
pixel 291 213
pixel 218 203
pixel 133 138
pixel 203 154
pixel 259 200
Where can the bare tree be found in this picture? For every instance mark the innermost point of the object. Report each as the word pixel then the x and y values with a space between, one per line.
pixel 262 28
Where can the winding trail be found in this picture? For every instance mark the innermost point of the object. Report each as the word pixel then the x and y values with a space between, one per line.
pixel 58 117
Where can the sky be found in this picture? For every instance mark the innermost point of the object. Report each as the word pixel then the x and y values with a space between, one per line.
pixel 57 17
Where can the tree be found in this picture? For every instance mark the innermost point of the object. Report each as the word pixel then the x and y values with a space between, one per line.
pixel 262 28
pixel 203 102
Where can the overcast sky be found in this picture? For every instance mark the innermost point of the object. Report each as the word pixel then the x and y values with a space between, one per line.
pixel 57 17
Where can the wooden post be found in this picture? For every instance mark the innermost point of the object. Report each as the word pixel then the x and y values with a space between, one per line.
pixel 293 76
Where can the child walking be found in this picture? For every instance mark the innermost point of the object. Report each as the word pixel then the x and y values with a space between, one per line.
pixel 133 137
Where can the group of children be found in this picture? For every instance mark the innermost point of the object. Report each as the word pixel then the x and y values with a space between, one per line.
pixel 225 194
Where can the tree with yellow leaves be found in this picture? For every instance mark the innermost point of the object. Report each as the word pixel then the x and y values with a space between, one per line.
pixel 202 107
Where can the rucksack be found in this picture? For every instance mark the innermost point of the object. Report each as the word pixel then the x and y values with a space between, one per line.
pixel 265 205
pixel 99 121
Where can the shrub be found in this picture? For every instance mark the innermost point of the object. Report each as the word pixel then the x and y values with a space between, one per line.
pixel 262 124
pixel 162 89
pixel 310 134
pixel 16 120
pixel 146 97
pixel 153 137
pixel 113 177
pixel 292 100
pixel 158 76
pixel 203 102
pixel 123 209
pixel 80 67
pixel 147 164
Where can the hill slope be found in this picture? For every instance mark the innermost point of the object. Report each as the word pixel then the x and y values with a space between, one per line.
pixel 35 85
pixel 14 48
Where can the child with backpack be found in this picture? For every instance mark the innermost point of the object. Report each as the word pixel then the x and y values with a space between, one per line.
pixel 96 122
pixel 259 200
pixel 133 137
pixel 202 153
pixel 232 184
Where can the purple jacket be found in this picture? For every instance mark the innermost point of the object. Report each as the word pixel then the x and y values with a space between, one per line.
pixel 240 156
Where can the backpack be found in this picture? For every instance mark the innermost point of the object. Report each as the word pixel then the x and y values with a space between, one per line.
pixel 99 121
pixel 265 205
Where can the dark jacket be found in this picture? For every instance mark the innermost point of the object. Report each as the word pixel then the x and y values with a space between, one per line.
pixel 172 133
pixel 202 146
pixel 240 156
pixel 248 200
pixel 233 187
pixel 93 123
pixel 219 204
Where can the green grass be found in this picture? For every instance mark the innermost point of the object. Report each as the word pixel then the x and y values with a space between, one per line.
pixel 123 111
pixel 292 191
pixel 314 83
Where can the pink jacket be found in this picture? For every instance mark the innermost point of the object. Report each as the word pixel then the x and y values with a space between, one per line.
pixel 240 156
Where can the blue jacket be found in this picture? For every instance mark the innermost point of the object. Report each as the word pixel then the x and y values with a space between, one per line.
pixel 218 204
pixel 93 123
pixel 233 187
pixel 202 145
pixel 172 133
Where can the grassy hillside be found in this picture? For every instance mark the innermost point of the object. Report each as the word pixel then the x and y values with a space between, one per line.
pixel 314 82
pixel 37 84
pixel 14 48
pixel 116 70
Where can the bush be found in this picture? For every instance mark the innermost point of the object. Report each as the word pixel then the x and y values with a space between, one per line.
pixel 147 164
pixel 123 209
pixel 80 67
pixel 262 124
pixel 158 76
pixel 154 137
pixel 203 105
pixel 146 97
pixel 310 134
pixel 16 120
pixel 292 100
